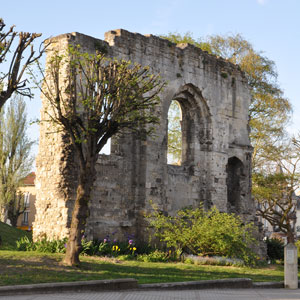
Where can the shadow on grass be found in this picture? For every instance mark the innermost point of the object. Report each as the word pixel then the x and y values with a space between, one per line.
pixel 44 268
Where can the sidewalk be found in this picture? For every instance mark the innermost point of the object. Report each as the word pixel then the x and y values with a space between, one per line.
pixel 206 294
pixel 131 284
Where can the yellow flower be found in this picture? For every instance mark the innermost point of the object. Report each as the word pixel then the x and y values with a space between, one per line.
pixel 133 248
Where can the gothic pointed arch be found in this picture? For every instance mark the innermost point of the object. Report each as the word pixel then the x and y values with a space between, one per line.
pixel 235 181
pixel 195 122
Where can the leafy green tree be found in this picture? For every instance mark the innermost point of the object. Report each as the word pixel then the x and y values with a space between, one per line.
pixel 205 233
pixel 14 60
pixel 270 110
pixel 92 98
pixel 15 159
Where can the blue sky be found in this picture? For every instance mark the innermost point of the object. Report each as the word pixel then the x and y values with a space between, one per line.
pixel 272 26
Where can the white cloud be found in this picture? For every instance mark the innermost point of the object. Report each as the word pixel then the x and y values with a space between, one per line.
pixel 262 2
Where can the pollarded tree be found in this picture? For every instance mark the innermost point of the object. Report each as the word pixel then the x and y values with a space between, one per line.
pixel 92 98
pixel 14 61
pixel 269 110
pixel 15 159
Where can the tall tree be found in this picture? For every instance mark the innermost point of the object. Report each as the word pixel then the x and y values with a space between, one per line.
pixel 14 60
pixel 274 189
pixel 93 98
pixel 269 110
pixel 15 160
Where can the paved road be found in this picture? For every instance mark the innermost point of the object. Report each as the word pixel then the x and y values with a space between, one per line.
pixel 229 294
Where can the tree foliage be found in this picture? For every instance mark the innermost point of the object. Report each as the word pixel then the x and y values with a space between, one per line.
pixel 270 110
pixel 14 60
pixel 174 133
pixel 205 233
pixel 92 98
pixel 274 190
pixel 15 159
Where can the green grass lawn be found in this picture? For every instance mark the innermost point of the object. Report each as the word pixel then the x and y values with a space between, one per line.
pixel 32 267
pixel 9 235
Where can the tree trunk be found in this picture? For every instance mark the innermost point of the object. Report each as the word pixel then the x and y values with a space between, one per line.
pixel 3 214
pixel 13 219
pixel 15 209
pixel 290 237
pixel 79 215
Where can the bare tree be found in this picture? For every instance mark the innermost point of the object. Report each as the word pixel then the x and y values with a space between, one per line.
pixel 13 54
pixel 274 190
pixel 92 98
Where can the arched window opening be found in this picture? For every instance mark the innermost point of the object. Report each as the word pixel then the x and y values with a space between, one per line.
pixel 234 171
pixel 107 148
pixel 174 155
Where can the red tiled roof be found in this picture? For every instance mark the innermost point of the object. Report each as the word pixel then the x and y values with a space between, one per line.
pixel 29 179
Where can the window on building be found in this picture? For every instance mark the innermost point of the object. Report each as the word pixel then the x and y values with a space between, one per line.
pixel 25 218
pixel 26 199
pixel 174 134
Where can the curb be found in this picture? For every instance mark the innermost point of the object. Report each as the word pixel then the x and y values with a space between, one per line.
pixel 269 285
pixel 75 286
pixel 234 283
pixel 131 284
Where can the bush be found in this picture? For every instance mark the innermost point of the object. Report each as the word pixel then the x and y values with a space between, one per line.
pixel 155 256
pixel 213 260
pixel 275 249
pixel 54 246
pixel 95 247
pixel 24 244
pixel 205 233
pixel 89 247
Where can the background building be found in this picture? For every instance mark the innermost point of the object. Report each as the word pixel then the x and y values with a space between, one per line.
pixel 28 190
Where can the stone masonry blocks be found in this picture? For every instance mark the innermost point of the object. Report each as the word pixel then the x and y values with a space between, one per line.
pixel 216 145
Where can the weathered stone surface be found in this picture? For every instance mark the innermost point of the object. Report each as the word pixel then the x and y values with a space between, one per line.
pixel 216 160
pixel 290 266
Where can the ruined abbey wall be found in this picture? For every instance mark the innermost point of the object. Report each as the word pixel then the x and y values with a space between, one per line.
pixel 216 159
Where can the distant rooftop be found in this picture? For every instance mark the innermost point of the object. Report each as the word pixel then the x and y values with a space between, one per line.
pixel 29 179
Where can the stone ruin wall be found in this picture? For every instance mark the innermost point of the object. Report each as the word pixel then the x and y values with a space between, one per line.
pixel 216 160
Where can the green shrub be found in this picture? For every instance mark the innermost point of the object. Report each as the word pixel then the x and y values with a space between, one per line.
pixel 189 261
pixel 275 249
pixel 126 257
pixel 90 247
pixel 54 246
pixel 205 233
pixel 155 256
pixel 24 244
